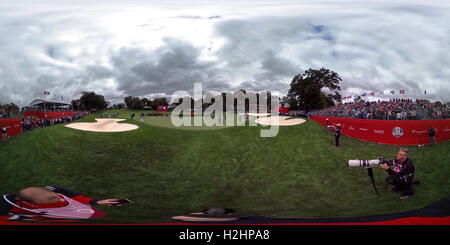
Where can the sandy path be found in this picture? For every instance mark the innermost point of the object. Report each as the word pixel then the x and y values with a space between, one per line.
pixel 280 121
pixel 103 125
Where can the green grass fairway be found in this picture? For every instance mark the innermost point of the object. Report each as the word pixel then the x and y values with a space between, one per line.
pixel 166 171
pixel 166 123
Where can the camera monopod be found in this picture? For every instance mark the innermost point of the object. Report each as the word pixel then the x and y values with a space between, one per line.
pixel 368 164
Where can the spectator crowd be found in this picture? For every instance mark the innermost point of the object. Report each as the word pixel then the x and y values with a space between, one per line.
pixel 31 123
pixel 397 109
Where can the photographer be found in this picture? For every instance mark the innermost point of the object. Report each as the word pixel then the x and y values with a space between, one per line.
pixel 337 134
pixel 431 133
pixel 402 175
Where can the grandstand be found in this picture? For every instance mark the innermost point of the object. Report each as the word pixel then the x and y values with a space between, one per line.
pixel 394 122
pixel 47 105
pixel 398 109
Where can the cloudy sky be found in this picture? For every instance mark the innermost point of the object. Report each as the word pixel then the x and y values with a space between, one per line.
pixel 154 48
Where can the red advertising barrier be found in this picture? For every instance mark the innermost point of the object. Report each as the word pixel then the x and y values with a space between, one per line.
pixel 49 114
pixel 161 108
pixel 282 109
pixel 13 125
pixel 391 132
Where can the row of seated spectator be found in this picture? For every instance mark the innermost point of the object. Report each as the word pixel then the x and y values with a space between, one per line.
pixel 397 109
pixel 31 123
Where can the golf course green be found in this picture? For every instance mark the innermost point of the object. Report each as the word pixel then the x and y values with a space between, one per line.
pixel 168 171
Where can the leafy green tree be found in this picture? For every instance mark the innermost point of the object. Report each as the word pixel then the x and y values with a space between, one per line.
pixel 76 105
pixel 91 100
pixel 133 103
pixel 145 102
pixel 305 89
pixel 160 102
pixel 118 106
pixel 9 107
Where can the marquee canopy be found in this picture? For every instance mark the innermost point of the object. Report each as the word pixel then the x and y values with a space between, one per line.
pixel 41 102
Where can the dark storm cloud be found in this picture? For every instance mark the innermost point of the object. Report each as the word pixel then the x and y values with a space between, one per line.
pixel 249 40
pixel 257 43
pixel 174 66
pixel 262 85
pixel 40 51
pixel 276 66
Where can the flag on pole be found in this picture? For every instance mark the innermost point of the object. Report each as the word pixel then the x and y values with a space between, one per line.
pixel 45 93
pixel 425 92
pixel 364 94
pixel 392 92
pixel 402 91
pixel 372 93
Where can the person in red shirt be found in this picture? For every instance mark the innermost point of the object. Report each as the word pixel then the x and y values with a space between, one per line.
pixel 51 202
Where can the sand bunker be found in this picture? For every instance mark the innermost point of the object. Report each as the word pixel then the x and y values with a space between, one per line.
pixel 103 125
pixel 280 121
pixel 259 114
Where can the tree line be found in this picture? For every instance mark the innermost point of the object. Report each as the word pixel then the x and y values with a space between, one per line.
pixel 137 104
pixel 89 101
pixel 11 107
pixel 305 93
pixel 92 101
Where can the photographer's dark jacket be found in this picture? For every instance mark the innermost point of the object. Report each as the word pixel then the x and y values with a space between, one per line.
pixel 431 132
pixel 338 131
pixel 402 172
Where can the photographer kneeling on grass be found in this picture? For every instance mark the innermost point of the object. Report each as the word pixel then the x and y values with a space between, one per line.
pixel 402 176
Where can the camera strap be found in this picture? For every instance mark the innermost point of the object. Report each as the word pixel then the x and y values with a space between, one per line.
pixel 370 172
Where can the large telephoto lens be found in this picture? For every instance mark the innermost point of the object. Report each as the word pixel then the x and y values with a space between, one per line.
pixel 362 163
